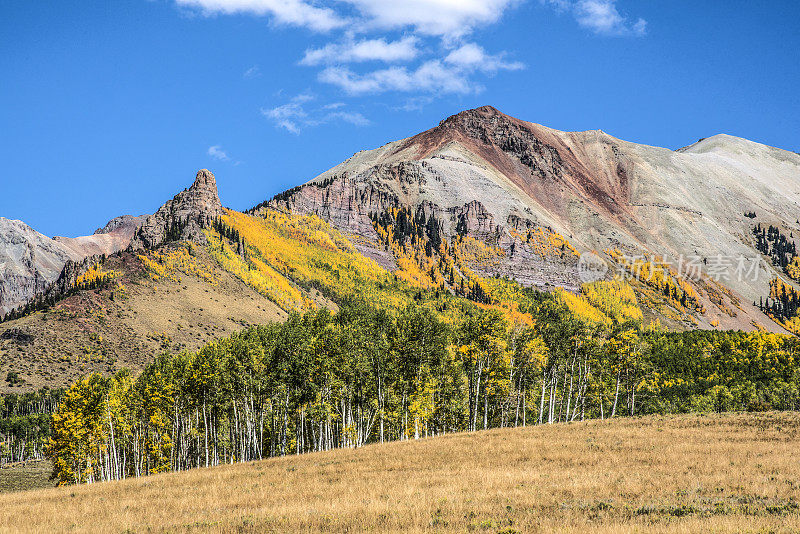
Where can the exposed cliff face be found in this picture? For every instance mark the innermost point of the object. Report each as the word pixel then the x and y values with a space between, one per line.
pixel 183 217
pixel 498 178
pixel 29 262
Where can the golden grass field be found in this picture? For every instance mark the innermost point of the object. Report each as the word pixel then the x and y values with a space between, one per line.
pixel 726 473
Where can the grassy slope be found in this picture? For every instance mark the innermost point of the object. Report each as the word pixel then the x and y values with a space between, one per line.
pixel 25 476
pixel 728 473
pixel 91 331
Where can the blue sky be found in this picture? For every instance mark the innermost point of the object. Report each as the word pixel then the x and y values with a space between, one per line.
pixel 110 107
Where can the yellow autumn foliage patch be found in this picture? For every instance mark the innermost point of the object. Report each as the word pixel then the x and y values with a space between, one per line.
pixel 582 308
pixel 95 276
pixel 169 265
pixel 615 298
pixel 283 253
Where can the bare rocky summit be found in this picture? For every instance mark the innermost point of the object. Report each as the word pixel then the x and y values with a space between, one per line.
pixel 184 216
pixel 123 221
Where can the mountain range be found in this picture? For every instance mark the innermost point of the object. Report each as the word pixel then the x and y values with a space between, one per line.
pixel 687 228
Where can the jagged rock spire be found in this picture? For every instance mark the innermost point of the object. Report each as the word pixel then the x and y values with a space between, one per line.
pixel 183 217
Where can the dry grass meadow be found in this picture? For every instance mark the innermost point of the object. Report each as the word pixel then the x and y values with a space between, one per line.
pixel 728 473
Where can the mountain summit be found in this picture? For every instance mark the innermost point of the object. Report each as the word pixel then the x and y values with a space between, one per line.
pixel 506 181
pixel 184 216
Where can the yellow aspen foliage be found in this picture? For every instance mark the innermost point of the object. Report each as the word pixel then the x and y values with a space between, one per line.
pixel 546 243
pixel 660 276
pixel 95 277
pixel 615 298
pixel 793 268
pixel 784 308
pixel 582 308
pixel 281 253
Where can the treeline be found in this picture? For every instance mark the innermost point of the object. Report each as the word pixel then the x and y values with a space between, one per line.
pixel 25 424
pixel 323 381
pixel 784 303
pixel 773 243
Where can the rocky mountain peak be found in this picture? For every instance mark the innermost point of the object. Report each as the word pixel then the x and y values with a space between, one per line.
pixel 205 181
pixel 183 217
pixel 481 113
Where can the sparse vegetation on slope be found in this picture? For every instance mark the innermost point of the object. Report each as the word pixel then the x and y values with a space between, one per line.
pixel 126 323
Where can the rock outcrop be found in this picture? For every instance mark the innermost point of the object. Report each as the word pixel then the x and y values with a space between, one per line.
pixel 33 265
pixel 183 217
pixel 113 237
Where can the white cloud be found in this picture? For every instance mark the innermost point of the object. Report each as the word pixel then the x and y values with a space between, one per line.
pixel 471 56
pixel 290 115
pixel 449 75
pixel 432 55
pixel 600 16
pixel 452 18
pixel 293 116
pixel 415 103
pixel 431 76
pixel 352 51
pixel 289 12
pixel 217 153
pixel 415 67
pixel 354 118
pixel 603 18
pixel 449 18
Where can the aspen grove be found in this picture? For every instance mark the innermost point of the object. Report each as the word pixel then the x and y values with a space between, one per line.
pixel 363 375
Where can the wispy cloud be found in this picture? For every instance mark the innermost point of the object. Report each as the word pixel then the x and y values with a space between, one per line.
pixel 473 57
pixel 431 76
pixel 449 75
pixel 352 51
pixel 447 18
pixel 601 17
pixel 419 48
pixel 288 12
pixel 417 62
pixel 252 72
pixel 294 116
pixel 357 119
pixel 415 103
pixel 217 153
pixel 289 116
